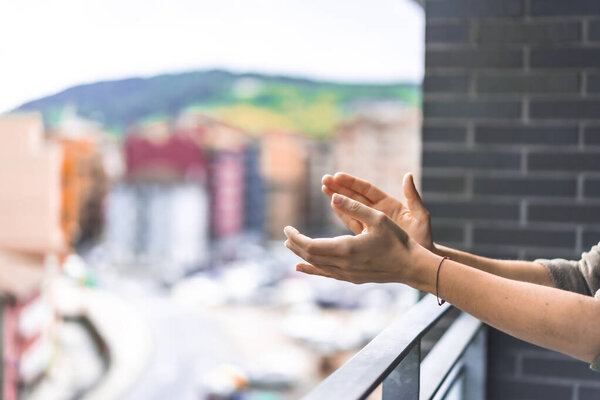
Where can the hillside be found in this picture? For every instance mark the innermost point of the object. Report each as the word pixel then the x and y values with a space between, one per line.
pixel 253 101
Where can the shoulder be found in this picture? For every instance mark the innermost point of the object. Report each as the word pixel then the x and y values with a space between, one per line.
pixel 589 266
pixel 592 256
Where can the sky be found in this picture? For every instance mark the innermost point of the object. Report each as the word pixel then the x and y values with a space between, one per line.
pixel 48 46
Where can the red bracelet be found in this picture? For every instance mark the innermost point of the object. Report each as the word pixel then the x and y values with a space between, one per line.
pixel 437 282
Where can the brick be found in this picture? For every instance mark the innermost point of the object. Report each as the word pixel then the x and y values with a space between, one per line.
pixel 474 58
pixel 549 253
pixel 516 236
pixel 501 342
pixel 558 368
pixel 593 83
pixel 592 135
pixel 589 393
pixel 456 108
pixel 523 83
pixel 473 8
pixel 444 134
pixel 505 389
pixel 447 33
pixel 505 58
pixel 591 187
pixel 564 109
pixel 543 135
pixel 570 213
pixel 563 161
pixel 488 160
pixel 497 253
pixel 564 8
pixel 502 364
pixel 502 353
pixel 565 57
pixel 448 234
pixel 531 186
pixel 529 33
pixel 473 210
pixel 594 31
pixel 590 238
pixel 449 83
pixel 443 184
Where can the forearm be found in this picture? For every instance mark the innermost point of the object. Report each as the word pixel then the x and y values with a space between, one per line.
pixel 549 317
pixel 525 271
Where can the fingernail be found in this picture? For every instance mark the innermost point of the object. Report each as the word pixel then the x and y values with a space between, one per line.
pixel 299 268
pixel 337 199
pixel 289 230
pixel 287 244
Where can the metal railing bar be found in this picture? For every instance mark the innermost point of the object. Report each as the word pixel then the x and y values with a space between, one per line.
pixel 453 378
pixel 446 353
pixel 360 375
pixel 475 365
pixel 403 382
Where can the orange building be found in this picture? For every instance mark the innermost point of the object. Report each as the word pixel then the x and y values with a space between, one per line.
pixel 284 166
pixel 83 187
pixel 84 183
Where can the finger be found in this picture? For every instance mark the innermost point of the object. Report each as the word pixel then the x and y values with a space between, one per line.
pixel 312 258
pixel 326 178
pixel 413 199
pixel 360 186
pixel 324 247
pixel 325 189
pixel 313 270
pixel 329 182
pixel 356 210
pixel 355 226
pixel 332 272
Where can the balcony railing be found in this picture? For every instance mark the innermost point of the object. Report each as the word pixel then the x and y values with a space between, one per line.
pixel 455 368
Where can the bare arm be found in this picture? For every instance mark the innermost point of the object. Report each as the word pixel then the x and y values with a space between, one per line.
pixel 525 271
pixel 556 319
pixel 559 320
pixel 414 218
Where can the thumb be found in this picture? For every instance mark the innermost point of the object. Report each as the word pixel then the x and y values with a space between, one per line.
pixel 413 199
pixel 355 209
pixel 355 226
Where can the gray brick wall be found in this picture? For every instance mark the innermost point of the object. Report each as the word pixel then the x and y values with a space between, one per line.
pixel 511 152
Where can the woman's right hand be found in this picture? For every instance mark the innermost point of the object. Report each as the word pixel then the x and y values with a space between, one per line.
pixel 412 217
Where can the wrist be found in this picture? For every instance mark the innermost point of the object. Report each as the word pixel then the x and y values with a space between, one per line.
pixel 424 269
pixel 440 250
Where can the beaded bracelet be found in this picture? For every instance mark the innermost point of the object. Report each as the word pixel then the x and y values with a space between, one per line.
pixel 437 282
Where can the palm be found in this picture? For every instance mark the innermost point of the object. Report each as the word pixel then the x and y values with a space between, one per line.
pixel 414 221
pixel 405 219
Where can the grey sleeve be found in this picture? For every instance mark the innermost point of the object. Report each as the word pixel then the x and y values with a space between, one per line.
pixel 581 276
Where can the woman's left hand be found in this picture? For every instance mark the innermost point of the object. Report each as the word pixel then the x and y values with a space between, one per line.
pixel 382 252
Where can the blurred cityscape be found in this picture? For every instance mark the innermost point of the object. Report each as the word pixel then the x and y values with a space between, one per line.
pixel 142 257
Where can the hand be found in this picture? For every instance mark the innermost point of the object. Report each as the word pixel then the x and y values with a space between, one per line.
pixel 381 252
pixel 413 218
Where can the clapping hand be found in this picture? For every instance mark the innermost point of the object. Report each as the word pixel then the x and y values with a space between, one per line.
pixel 412 217
pixel 380 252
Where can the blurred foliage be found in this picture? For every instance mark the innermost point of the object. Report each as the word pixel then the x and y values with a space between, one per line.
pixel 253 102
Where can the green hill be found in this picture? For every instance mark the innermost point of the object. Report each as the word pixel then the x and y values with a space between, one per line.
pixel 311 107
